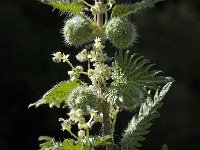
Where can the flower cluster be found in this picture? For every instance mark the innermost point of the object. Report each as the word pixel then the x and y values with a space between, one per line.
pixel 75 72
pixel 101 71
pixel 84 100
pixel 77 117
pixel 58 57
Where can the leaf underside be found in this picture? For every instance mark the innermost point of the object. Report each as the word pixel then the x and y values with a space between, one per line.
pixel 127 9
pixel 64 6
pixel 138 126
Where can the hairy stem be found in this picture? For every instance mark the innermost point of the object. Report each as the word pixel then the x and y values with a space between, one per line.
pixel 107 123
pixel 107 130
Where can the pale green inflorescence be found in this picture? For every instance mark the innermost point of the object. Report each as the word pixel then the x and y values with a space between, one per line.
pixel 77 31
pixel 121 32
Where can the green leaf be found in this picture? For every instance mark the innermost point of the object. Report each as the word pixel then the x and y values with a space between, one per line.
pixel 64 6
pixel 127 9
pixel 100 140
pixel 49 143
pixel 71 145
pixel 132 79
pixel 45 138
pixel 57 95
pixel 139 124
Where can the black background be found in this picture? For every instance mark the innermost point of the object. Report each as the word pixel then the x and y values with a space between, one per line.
pixel 30 33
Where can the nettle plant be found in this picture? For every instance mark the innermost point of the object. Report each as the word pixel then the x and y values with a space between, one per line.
pixel 123 82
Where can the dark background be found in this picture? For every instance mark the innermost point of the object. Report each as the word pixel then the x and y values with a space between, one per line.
pixel 30 33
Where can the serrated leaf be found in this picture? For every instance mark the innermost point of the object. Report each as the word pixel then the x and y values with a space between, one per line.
pixel 71 145
pixel 64 6
pixel 100 140
pixel 139 124
pixel 132 79
pixel 57 95
pixel 49 143
pixel 45 138
pixel 127 9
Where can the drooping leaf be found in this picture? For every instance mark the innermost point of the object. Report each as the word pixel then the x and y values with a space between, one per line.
pixel 49 143
pixel 127 9
pixel 139 124
pixel 132 79
pixel 64 6
pixel 57 95
pixel 100 140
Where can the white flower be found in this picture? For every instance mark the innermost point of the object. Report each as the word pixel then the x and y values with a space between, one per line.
pixel 97 45
pixel 82 56
pixel 76 115
pixel 82 125
pixel 75 73
pixel 81 134
pixel 102 57
pixel 78 69
pixel 90 72
pixel 92 56
pixel 92 112
pixel 66 124
pixel 71 73
pixel 98 118
pixel 101 72
pixel 57 57
pixel 65 58
pixel 97 40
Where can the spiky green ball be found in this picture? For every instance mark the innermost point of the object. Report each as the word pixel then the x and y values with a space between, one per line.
pixel 121 32
pixel 81 97
pixel 126 97
pixel 77 31
pixel 129 99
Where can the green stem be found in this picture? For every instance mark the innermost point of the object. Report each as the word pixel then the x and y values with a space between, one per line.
pixel 86 3
pixel 114 122
pixel 105 105
pixel 85 73
pixel 87 138
pixel 76 137
pixel 69 63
